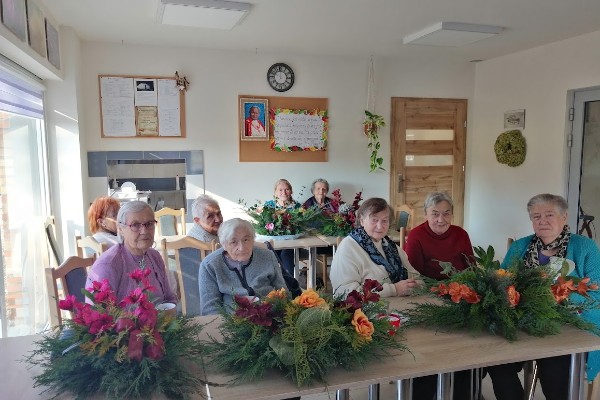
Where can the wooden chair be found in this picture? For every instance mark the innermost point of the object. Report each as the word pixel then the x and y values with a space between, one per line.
pixel 404 220
pixel 53 248
pixel 170 222
pixel 72 275
pixel 188 253
pixel 88 242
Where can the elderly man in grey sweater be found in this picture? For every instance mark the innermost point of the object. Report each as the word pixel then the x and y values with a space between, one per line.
pixel 237 268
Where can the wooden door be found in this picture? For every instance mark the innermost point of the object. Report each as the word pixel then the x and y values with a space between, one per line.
pixel 428 146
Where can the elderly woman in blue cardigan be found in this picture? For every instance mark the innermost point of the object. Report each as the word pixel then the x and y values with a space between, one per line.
pixel 551 238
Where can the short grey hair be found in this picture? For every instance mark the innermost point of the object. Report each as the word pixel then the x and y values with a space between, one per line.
pixel 434 198
pixel 200 203
pixel 228 228
pixel 557 201
pixel 319 180
pixel 131 207
pixel 372 206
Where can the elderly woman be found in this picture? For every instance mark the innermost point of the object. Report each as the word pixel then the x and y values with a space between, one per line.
pixel 135 227
pixel 319 189
pixel 102 219
pixel 437 240
pixel 367 253
pixel 551 238
pixel 433 241
pixel 283 199
pixel 207 219
pixel 237 268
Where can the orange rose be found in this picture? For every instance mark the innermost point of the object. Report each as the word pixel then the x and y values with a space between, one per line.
pixel 501 273
pixel 309 298
pixel 513 295
pixel 277 294
pixel 362 325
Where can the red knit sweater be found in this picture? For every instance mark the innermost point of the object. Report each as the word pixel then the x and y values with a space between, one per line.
pixel 425 248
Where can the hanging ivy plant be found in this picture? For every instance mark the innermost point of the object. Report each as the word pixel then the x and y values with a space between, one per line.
pixel 511 148
pixel 371 124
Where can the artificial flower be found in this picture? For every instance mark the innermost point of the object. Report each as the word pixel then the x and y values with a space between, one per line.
pixel 513 295
pixel 362 325
pixel 309 298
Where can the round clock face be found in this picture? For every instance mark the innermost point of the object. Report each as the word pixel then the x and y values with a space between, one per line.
pixel 280 77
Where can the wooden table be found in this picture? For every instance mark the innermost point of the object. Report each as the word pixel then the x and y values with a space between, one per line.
pixel 432 353
pixel 310 243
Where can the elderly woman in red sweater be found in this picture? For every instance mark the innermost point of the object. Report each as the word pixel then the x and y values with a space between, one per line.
pixel 433 241
pixel 437 239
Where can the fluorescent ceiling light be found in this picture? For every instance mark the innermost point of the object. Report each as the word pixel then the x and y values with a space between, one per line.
pixel 452 34
pixel 216 14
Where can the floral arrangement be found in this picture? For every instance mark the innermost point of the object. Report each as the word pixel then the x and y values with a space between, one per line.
pixel 339 218
pixel 305 336
pixel 273 221
pixel 126 349
pixel 504 301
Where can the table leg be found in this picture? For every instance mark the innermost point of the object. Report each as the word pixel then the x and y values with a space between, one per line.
pixel 311 274
pixel 444 386
pixel 342 394
pixel 296 263
pixel 373 391
pixel 576 376
pixel 404 389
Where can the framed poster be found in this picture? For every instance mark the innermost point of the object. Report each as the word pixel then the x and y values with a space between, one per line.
pixel 514 119
pixel 52 44
pixel 37 30
pixel 254 124
pixel 14 17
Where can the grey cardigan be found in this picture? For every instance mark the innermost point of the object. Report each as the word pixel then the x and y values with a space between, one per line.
pixel 218 284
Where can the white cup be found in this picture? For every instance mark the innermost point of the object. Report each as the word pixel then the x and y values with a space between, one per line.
pixel 169 308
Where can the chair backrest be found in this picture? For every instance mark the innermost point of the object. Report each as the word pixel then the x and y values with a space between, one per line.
pixel 404 220
pixel 170 222
pixel 53 248
pixel 88 242
pixel 72 275
pixel 188 253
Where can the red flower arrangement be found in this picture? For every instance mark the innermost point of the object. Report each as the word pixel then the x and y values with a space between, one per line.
pixel 340 217
pixel 125 349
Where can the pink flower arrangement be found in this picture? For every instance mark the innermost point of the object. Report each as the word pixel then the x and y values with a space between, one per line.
pixel 134 322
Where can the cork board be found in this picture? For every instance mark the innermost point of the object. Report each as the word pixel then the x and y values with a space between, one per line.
pixel 141 106
pixel 260 151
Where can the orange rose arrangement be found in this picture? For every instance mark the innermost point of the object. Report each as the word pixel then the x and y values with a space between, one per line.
pixel 305 336
pixel 484 296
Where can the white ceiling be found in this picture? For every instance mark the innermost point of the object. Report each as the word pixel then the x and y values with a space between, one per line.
pixel 338 27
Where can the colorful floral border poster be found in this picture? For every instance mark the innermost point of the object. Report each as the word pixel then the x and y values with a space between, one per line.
pixel 298 130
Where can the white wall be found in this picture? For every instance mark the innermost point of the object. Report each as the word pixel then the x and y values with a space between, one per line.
pixel 536 80
pixel 218 77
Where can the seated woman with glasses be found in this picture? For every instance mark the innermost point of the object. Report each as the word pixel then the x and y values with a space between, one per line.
pixel 135 228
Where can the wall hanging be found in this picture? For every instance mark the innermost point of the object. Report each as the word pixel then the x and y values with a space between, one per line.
pixel 511 148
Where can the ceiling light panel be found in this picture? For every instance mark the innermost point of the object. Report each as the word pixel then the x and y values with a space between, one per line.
pixel 452 34
pixel 213 14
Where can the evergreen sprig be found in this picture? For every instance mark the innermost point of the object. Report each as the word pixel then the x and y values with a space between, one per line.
pixel 485 297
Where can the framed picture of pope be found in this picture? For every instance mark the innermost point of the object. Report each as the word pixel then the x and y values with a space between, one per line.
pixel 254 119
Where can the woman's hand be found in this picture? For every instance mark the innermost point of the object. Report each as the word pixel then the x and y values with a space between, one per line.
pixel 405 287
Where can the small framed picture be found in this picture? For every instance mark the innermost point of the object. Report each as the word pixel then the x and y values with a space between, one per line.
pixel 14 17
pixel 514 119
pixel 254 119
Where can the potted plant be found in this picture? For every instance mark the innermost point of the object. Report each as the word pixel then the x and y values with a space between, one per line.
pixel 371 124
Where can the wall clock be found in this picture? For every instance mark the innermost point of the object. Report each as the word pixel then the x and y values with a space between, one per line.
pixel 280 76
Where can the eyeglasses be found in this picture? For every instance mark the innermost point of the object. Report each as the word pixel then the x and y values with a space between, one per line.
pixel 137 226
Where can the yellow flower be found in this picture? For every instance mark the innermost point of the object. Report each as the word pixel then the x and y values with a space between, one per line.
pixel 309 298
pixel 500 273
pixel 277 294
pixel 362 325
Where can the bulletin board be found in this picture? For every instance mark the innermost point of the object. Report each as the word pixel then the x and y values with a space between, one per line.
pixel 261 151
pixel 141 107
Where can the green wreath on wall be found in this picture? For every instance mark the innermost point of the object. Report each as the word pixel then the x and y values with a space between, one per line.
pixel 511 148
